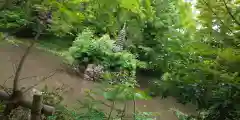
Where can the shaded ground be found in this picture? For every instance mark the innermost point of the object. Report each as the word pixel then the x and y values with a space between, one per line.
pixel 41 63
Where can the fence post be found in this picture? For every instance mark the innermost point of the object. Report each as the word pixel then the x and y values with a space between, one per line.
pixel 36 107
pixel 47 110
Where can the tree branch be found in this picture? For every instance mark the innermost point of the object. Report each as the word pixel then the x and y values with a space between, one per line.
pixel 124 110
pixel 230 13
pixel 134 108
pixel 20 66
pixel 42 80
pixel 7 80
pixel 27 78
pixel 111 110
pixel 209 7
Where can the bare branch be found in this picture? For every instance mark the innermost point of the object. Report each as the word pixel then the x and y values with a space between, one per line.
pixel 111 110
pixel 134 108
pixel 27 78
pixel 107 105
pixel 14 67
pixel 8 91
pixel 42 80
pixel 123 111
pixel 7 80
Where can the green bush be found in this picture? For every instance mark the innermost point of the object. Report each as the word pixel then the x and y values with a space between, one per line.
pixel 87 50
pixel 12 19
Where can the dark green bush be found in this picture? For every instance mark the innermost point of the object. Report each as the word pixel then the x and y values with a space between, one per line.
pixel 12 19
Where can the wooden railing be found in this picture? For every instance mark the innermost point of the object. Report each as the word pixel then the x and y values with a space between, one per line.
pixel 36 106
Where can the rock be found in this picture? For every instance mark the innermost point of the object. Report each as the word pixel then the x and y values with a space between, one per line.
pixel 93 72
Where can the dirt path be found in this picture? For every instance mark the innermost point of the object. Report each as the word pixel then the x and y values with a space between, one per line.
pixel 41 63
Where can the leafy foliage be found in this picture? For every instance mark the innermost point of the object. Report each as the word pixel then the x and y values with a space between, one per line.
pixel 124 92
pixel 56 17
pixel 87 50
pixel 12 19
pixel 193 47
pixel 87 108
pixel 201 73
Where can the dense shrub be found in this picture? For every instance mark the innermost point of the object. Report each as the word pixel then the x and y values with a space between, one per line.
pixel 12 19
pixel 200 67
pixel 88 50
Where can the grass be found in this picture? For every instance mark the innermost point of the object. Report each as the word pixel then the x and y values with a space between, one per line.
pixel 58 46
pixel 55 43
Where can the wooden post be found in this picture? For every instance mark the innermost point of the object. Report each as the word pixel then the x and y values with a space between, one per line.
pixel 36 107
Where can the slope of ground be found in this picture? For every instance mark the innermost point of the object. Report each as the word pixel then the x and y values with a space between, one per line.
pixel 41 63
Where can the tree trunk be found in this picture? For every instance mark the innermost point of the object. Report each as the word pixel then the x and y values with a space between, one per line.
pixel 12 103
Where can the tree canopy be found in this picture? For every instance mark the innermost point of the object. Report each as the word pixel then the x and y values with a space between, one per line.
pixel 192 45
